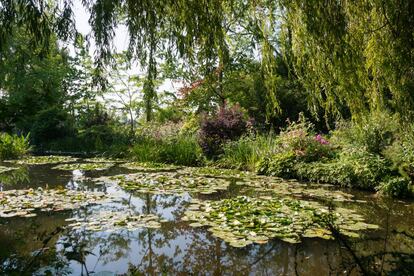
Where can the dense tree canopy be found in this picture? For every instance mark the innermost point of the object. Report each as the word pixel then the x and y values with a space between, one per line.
pixel 349 57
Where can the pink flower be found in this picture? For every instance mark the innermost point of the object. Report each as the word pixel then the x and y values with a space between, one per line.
pixel 321 140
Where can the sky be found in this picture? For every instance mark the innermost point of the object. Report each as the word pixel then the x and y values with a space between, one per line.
pixel 120 42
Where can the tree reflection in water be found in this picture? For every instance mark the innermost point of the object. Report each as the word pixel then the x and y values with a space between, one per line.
pixel 33 245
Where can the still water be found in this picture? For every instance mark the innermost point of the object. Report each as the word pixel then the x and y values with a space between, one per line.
pixel 42 245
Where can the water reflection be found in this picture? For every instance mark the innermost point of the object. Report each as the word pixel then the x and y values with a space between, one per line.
pixel 13 178
pixel 39 245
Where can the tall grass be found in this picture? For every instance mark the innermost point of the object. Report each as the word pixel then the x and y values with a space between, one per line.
pixel 13 146
pixel 247 152
pixel 179 150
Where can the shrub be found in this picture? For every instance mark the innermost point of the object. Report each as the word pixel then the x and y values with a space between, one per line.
pixel 280 164
pixel 191 125
pixel 395 187
pixel 297 144
pixel 333 172
pixel 228 124
pixel 401 152
pixel 355 167
pixel 300 138
pixel 374 132
pixel 13 146
pixel 247 152
pixel 50 124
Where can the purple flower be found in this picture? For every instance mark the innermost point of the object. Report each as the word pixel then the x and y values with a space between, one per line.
pixel 321 140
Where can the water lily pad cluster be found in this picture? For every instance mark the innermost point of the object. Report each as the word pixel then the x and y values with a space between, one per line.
pixel 42 160
pixel 110 221
pixel 25 203
pixel 281 187
pixel 149 167
pixel 169 183
pixel 6 169
pixel 103 160
pixel 84 166
pixel 243 220
pixel 216 172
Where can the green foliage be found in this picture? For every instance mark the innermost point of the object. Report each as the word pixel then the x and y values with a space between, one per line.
pixel 167 114
pixel 280 164
pixel 13 146
pixel 352 57
pixel 51 124
pixel 247 152
pixel 179 150
pixel 355 167
pixel 373 132
pixel 395 187
pixel 166 144
pixel 31 81
pixel 401 152
pixel 191 125
pixel 300 138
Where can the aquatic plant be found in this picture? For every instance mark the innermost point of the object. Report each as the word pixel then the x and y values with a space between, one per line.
pixel 149 166
pixel 167 183
pixel 110 221
pixel 215 172
pixel 241 221
pixel 104 160
pixel 42 160
pixel 84 166
pixel 292 188
pixel 25 203
pixel 246 152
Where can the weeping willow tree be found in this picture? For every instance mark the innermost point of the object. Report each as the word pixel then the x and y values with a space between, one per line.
pixel 190 29
pixel 353 56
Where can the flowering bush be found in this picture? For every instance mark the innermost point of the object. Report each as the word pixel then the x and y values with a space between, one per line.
pixel 226 125
pixel 300 138
pixel 321 140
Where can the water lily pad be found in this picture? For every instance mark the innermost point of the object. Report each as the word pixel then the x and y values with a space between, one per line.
pixel 41 160
pixel 167 183
pixel 114 220
pixel 281 187
pixel 241 219
pixel 149 167
pixel 103 160
pixel 24 203
pixel 215 172
pixel 84 166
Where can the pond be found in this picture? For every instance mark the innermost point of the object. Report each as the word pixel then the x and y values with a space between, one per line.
pixel 62 216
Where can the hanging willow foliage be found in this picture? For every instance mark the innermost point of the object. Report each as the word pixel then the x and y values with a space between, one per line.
pixel 350 56
pixel 359 53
